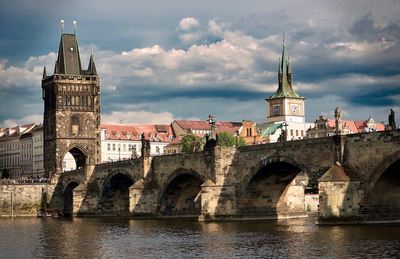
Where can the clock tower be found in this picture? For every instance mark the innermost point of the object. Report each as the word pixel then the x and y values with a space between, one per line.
pixel 285 104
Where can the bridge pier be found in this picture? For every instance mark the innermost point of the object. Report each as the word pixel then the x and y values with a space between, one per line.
pixel 142 201
pixel 218 202
pixel 340 196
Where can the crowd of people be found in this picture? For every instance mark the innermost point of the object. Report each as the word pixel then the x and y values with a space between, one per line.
pixel 25 179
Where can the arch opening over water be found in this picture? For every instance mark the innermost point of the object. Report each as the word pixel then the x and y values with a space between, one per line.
pixel 275 190
pixel 384 198
pixel 181 197
pixel 68 199
pixel 115 195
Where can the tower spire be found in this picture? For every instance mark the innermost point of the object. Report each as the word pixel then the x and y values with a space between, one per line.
pixel 285 75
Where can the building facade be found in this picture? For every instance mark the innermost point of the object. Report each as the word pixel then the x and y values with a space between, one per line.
pixel 121 141
pixel 14 154
pixel 326 127
pixel 37 152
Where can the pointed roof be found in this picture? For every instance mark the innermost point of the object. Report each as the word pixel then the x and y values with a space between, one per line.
pixel 91 67
pixel 285 88
pixel 44 72
pixel 68 60
pixel 339 173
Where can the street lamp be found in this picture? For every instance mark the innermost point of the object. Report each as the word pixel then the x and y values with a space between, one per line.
pixel 119 154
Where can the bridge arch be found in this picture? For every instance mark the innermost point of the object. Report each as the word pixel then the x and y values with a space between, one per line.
pixel 68 198
pixel 79 155
pixel 383 191
pixel 381 169
pixel 114 195
pixel 271 160
pixel 180 196
pixel 274 188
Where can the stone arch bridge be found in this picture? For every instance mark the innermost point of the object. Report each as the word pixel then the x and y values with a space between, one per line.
pixel 357 177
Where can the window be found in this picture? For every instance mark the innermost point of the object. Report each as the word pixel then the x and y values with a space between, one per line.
pixel 291 132
pixel 113 146
pixel 157 150
pixel 297 133
pixel 108 146
pixel 75 125
pixel 302 133
pixel 276 110
pixel 124 147
pixel 248 131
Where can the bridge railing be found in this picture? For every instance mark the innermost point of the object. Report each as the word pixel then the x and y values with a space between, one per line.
pixel 24 180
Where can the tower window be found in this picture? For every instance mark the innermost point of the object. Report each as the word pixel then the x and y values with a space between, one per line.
pixel 75 125
pixel 276 110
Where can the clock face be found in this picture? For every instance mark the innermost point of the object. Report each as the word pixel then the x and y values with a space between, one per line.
pixel 294 108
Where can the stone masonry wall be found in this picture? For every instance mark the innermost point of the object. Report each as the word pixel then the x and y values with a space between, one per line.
pixel 27 198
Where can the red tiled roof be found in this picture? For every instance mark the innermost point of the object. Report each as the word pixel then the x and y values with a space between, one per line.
pixel 204 125
pixel 356 126
pixel 151 132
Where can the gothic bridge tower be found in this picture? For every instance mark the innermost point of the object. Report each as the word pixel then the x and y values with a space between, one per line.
pixel 71 110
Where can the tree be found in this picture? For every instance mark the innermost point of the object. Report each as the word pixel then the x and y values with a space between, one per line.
pixel 191 143
pixel 226 139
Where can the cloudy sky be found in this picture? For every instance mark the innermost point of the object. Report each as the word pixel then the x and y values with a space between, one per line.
pixel 183 59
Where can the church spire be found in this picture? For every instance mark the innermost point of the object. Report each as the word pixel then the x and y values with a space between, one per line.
pixel 285 76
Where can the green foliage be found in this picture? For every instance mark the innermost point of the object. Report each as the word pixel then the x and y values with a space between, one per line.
pixel 226 139
pixel 191 143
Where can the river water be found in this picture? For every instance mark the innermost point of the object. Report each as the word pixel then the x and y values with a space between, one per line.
pixel 183 238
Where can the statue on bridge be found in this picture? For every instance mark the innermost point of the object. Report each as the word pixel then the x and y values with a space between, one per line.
pixel 338 120
pixel 392 120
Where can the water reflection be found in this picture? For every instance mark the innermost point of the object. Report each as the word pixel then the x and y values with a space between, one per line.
pixel 111 238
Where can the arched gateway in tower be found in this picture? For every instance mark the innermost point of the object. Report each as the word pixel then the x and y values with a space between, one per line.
pixel 71 110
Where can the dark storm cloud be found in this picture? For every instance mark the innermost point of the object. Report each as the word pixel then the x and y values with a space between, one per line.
pixel 378 97
pixel 368 29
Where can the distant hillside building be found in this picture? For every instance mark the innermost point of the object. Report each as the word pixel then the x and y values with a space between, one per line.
pixel 122 141
pixel 15 150
pixel 199 128
pixel 326 127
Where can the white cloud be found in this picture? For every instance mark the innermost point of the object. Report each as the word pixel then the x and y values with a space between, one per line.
pixel 360 49
pixel 137 117
pixel 33 118
pixel 214 28
pixel 188 23
pixel 190 37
